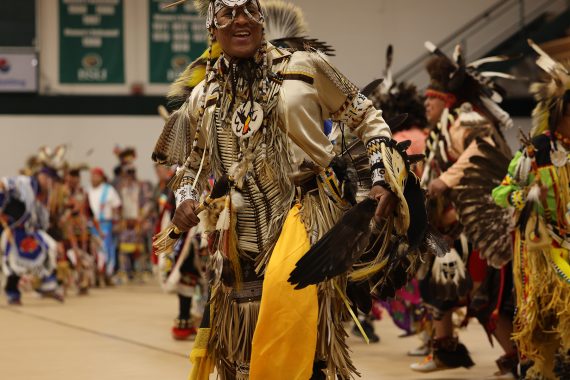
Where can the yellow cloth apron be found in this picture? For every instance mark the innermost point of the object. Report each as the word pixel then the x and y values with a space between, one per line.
pixel 285 338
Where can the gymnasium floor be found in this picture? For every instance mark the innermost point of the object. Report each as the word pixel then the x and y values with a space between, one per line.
pixel 123 333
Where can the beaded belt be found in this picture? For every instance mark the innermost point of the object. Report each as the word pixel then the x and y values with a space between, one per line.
pixel 248 292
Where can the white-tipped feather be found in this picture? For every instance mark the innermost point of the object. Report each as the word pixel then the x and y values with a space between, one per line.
pixel 430 46
pixel 497 74
pixel 482 61
pixel 504 118
pixel 523 169
pixel 534 193
pixel 457 54
pixel 496 97
pixel 546 62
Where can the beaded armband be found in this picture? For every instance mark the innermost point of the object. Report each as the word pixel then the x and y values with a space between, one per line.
pixel 186 190
pixel 352 111
pixel 377 168
pixel 517 199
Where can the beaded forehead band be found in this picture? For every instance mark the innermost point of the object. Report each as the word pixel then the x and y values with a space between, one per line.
pixel 210 8
pixel 217 5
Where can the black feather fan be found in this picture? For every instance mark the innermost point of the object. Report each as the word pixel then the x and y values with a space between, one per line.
pixel 338 249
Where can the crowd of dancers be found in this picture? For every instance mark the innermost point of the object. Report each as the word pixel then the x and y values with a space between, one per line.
pixel 60 238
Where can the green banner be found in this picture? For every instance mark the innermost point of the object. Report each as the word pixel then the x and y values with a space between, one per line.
pixel 177 36
pixel 91 41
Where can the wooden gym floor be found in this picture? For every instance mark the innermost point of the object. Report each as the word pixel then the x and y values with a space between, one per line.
pixel 124 333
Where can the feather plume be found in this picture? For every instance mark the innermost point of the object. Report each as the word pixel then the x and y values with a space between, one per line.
pixel 283 20
pixel 285 27
pixel 174 143
pixel 545 62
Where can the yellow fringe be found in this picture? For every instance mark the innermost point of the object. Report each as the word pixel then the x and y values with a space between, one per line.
pixel 543 300
pixel 202 363
pixel 366 272
pixel 354 318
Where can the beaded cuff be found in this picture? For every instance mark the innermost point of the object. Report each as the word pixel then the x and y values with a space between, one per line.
pixel 186 190
pixel 377 169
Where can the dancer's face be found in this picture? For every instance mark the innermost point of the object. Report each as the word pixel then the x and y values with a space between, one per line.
pixel 96 179
pixel 73 181
pixel 240 32
pixel 434 108
pixel 45 182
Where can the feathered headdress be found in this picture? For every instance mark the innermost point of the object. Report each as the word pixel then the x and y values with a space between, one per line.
pixel 549 94
pixel 467 83
pixel 76 169
pixel 126 155
pixel 286 27
pixel 395 98
pixel 46 157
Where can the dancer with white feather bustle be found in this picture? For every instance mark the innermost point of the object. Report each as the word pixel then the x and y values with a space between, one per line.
pixel 537 188
pixel 25 245
pixel 256 123
pixel 466 155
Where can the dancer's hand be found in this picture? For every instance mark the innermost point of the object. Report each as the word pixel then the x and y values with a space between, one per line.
pixel 185 215
pixel 386 202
